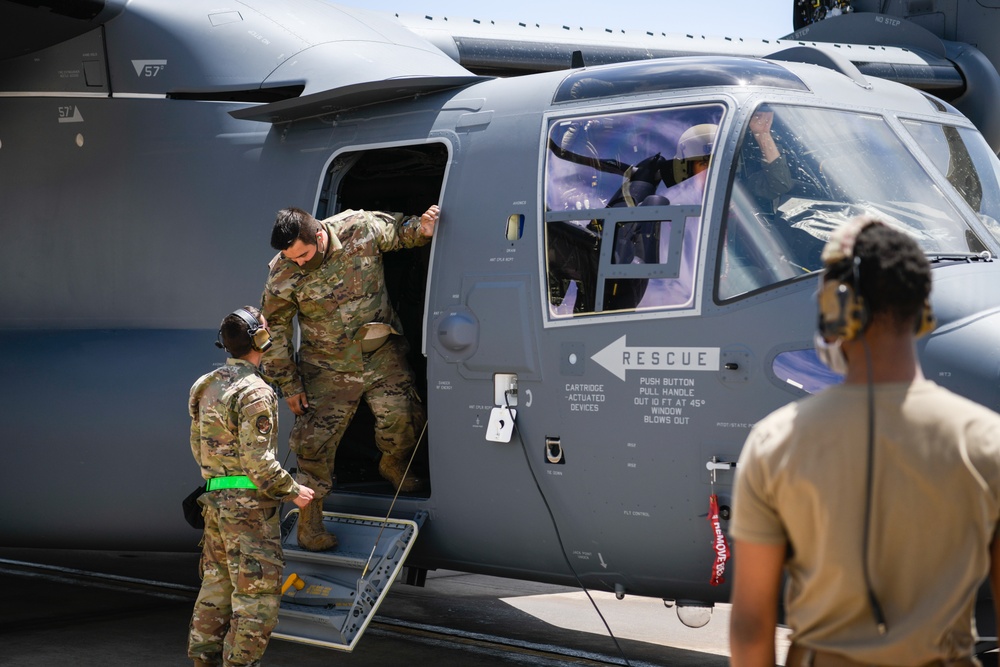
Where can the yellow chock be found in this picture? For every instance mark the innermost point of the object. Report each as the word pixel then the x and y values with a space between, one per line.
pixel 292 580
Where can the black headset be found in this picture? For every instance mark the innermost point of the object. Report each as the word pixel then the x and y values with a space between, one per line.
pixel 260 338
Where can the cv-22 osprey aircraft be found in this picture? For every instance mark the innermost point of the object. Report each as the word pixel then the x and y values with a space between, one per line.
pixel 596 326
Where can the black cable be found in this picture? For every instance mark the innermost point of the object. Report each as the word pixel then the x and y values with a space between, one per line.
pixel 555 526
pixel 872 599
pixel 281 504
pixel 393 503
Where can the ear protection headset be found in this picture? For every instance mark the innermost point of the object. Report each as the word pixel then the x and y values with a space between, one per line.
pixel 843 312
pixel 926 322
pixel 260 339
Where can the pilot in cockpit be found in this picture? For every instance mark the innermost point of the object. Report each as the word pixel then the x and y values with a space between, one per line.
pixel 668 173
pixel 763 170
pixel 684 176
pixel 690 165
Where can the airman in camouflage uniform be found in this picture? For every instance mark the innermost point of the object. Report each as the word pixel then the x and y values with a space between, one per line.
pixel 329 274
pixel 234 421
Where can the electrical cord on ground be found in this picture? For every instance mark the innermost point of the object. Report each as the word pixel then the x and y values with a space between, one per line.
pixel 555 526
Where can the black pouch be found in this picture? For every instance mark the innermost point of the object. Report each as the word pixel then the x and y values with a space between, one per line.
pixel 192 510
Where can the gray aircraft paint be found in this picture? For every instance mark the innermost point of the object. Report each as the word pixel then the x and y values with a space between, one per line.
pixel 137 211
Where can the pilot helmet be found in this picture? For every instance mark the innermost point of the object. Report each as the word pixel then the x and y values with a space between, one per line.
pixel 694 145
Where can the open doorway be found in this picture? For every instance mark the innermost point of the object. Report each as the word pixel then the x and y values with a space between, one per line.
pixel 405 179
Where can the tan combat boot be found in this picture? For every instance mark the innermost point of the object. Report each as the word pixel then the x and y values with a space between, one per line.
pixel 311 534
pixel 393 467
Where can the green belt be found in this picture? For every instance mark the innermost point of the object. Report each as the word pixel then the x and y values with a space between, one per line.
pixel 231 482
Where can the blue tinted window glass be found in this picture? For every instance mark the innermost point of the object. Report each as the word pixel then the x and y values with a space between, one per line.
pixel 623 200
pixel 803 370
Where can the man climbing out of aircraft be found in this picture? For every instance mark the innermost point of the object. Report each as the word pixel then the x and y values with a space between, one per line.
pixel 880 497
pixel 234 426
pixel 329 274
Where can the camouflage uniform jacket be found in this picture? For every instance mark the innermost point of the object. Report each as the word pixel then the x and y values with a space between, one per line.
pixel 234 426
pixel 332 302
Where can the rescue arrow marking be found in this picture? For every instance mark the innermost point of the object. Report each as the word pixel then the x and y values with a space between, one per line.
pixel 619 358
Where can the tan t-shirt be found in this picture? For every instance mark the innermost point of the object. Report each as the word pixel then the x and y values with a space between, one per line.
pixel 935 507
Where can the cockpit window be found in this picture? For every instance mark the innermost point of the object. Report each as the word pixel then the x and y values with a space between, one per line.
pixel 967 161
pixel 623 199
pixel 802 172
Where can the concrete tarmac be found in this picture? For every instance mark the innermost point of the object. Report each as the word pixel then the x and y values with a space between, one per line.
pixel 57 615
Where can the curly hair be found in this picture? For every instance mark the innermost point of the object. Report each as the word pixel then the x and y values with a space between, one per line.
pixel 893 274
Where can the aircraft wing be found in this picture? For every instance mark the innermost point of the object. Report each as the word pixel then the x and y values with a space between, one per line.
pixel 874 44
pixel 911 55
pixel 312 57
pixel 320 49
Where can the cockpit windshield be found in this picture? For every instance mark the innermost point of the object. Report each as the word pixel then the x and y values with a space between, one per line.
pixel 969 164
pixel 623 201
pixel 802 172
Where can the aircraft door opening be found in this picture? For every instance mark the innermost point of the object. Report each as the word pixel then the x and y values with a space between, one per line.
pixel 406 179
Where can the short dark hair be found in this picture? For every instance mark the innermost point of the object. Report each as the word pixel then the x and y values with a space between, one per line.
pixel 894 276
pixel 291 224
pixel 234 334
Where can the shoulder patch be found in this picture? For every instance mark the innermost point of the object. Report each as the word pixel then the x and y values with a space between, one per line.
pixel 257 407
pixel 264 424
pixel 258 400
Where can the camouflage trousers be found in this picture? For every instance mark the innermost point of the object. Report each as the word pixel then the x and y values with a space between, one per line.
pixel 241 566
pixel 386 384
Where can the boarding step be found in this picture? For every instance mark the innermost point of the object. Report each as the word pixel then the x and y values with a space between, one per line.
pixel 329 597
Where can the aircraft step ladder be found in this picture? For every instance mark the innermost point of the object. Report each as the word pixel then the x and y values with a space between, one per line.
pixel 329 597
